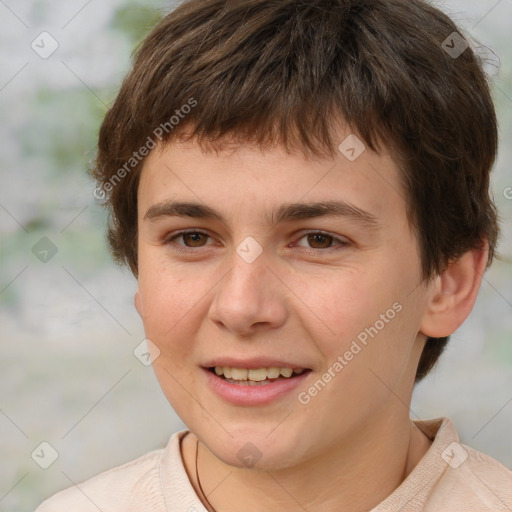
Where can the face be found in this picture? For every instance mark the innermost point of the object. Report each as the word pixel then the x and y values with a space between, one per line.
pixel 264 278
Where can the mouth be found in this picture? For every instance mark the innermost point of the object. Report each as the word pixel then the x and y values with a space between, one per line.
pixel 256 376
pixel 254 386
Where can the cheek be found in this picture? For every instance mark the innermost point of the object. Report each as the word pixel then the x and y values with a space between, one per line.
pixel 347 304
pixel 176 300
pixel 166 298
pixel 369 320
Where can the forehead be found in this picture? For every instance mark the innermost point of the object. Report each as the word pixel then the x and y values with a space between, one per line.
pixel 247 178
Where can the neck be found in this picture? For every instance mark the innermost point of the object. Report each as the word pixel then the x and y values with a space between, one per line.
pixel 347 477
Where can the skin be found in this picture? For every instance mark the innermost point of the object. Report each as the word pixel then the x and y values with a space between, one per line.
pixel 298 301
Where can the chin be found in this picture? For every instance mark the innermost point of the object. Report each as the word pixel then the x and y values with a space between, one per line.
pixel 256 451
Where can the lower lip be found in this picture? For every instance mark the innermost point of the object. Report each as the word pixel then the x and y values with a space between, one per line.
pixel 253 395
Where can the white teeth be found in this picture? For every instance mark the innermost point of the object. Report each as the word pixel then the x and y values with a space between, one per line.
pixel 273 372
pixel 286 372
pixel 239 373
pixel 255 374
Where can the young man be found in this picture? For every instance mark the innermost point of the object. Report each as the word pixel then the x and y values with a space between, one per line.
pixel 302 190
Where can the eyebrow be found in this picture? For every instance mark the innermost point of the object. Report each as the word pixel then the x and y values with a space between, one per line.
pixel 286 212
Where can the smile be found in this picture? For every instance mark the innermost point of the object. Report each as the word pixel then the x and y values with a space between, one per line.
pixel 254 386
pixel 245 375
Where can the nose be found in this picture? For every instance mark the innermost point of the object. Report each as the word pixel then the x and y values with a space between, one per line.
pixel 249 298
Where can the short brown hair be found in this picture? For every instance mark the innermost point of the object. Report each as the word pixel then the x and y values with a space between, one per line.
pixel 283 72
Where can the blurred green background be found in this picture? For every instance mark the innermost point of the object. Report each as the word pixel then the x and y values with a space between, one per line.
pixel 68 326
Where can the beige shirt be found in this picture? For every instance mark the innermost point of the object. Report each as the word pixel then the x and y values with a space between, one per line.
pixel 450 477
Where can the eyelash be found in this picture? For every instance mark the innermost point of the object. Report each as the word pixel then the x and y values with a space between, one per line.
pixel 181 248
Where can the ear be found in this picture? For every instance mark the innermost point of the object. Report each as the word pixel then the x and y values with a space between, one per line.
pixel 138 304
pixel 454 293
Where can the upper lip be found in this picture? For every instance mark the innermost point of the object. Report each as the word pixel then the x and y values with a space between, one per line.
pixel 254 362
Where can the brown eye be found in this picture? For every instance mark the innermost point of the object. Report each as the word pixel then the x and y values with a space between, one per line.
pixel 320 240
pixel 193 239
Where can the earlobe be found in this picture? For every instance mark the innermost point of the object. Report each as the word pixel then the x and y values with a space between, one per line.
pixel 138 304
pixel 454 294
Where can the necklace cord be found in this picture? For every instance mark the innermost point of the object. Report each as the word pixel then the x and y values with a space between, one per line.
pixel 199 481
